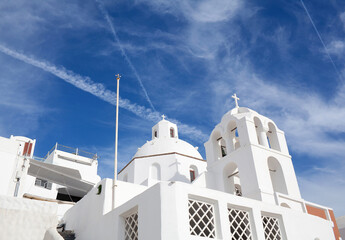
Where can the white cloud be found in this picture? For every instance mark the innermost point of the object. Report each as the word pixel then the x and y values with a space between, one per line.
pixel 336 47
pixel 211 11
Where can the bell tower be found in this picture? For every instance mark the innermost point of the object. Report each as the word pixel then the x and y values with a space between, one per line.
pixel 247 155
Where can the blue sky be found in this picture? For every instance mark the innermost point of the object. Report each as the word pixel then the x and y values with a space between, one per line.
pixel 58 61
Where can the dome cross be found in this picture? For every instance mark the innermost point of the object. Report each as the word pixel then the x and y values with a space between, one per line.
pixel 163 116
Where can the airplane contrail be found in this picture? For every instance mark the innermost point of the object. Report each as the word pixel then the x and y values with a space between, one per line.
pixel 321 40
pixel 100 91
pixel 123 52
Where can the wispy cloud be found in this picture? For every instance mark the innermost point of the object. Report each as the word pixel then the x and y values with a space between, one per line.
pixel 342 18
pixel 98 90
pixel 83 83
pixel 313 126
pixel 310 122
pixel 124 54
pixel 200 11
pixel 314 182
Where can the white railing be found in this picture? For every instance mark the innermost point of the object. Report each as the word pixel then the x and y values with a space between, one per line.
pixel 75 151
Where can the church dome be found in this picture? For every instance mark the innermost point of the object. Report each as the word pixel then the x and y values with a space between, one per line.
pixel 159 146
pixel 165 140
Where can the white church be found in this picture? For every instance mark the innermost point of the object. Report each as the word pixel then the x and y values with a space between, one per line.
pixel 245 189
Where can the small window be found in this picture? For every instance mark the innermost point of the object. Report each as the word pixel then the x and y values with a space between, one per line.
pixel 193 172
pixel 43 183
pixel 155 134
pixel 27 149
pixel 192 175
pixel 172 132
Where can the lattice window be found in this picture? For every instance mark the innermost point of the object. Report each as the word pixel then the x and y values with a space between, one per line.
pixel 131 227
pixel 271 228
pixel 201 219
pixel 239 225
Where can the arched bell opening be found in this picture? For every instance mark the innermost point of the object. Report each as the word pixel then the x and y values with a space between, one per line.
pixel 272 137
pixel 231 177
pixel 260 132
pixel 233 136
pixel 277 176
pixel 219 147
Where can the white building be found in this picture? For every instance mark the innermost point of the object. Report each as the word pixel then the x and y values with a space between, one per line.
pixel 247 189
pixel 63 177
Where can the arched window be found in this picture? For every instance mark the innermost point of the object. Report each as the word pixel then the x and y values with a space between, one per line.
pixel 231 176
pixel 155 133
pixel 277 176
pixel 155 171
pixel 272 137
pixel 193 172
pixel 172 132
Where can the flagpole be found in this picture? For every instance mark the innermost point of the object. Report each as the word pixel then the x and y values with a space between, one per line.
pixel 116 136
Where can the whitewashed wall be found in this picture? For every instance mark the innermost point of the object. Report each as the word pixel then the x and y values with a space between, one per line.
pixel 25 219
pixel 163 215
pixel 173 167
pixel 87 167
pixel 8 161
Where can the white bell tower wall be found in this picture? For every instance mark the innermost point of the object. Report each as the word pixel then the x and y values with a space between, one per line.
pixel 247 155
